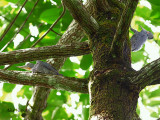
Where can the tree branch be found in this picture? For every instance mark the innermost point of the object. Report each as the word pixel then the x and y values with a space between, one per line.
pixel 115 3
pixel 48 81
pixel 51 27
pixel 20 44
pixel 148 75
pixel 20 27
pixel 100 5
pixel 31 54
pixel 13 21
pixel 124 22
pixel 81 15
pixel 40 102
pixel 73 34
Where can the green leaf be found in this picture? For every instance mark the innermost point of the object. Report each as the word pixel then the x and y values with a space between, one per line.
pixel 6 107
pixel 70 65
pixel 57 98
pixel 55 105
pixel 155 14
pixel 25 92
pixel 154 2
pixel 145 15
pixel 21 108
pixel 84 98
pixel 138 110
pixel 6 110
pixel 158 110
pixel 66 20
pixel 3 3
pixel 50 15
pixel 153 103
pixel 87 73
pixel 68 73
pixel 58 1
pixel 86 61
pixel 61 114
pixel 154 114
pixel 155 93
pixel 14 1
pixel 7 87
pixel 85 113
pixel 50 39
pixel 68 68
pixel 137 56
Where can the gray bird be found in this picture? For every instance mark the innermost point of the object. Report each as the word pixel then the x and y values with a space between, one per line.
pixel 139 38
pixel 40 67
pixel 43 68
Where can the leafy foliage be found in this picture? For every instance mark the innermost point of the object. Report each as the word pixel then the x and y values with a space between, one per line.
pixel 59 102
pixel 46 13
pixel 143 14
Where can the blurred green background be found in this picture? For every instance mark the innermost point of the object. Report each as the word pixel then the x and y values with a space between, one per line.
pixel 63 105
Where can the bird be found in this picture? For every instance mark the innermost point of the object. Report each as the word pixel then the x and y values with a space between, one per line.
pixel 40 67
pixel 139 38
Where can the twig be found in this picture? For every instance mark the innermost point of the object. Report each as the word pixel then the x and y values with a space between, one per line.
pixel 17 25
pixel 64 9
pixel 23 40
pixel 20 44
pixel 20 27
pixel 56 32
pixel 10 25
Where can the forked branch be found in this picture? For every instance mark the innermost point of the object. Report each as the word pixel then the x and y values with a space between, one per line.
pixel 124 22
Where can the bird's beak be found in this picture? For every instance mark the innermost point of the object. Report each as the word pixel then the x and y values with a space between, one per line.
pixel 150 36
pixel 24 67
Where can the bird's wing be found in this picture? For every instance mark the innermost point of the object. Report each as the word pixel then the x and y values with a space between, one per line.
pixel 143 37
pixel 134 38
pixel 47 66
pixel 138 40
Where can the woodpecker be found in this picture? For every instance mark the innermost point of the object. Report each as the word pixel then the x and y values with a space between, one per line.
pixel 139 38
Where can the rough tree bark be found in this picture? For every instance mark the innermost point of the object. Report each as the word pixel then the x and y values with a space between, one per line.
pixel 112 95
pixel 113 85
pixel 40 53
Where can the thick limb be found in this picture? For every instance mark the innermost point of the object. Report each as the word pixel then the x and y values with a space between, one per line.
pixel 48 81
pixel 148 75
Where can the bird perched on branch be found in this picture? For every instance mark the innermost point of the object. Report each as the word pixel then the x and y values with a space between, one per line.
pixel 139 38
pixel 40 67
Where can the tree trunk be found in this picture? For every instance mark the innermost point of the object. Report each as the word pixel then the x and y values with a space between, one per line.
pixel 112 95
pixel 113 85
